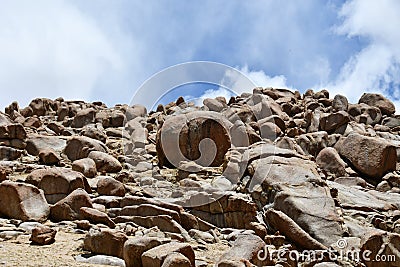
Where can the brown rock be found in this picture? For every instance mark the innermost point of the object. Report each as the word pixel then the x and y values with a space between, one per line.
pixel 9 153
pixel 373 157
pixel 43 235
pixel 379 101
pixel 57 182
pixel 36 143
pixel 105 241
pixel 83 117
pixel 286 226
pixel 85 166
pixel 185 132
pixel 329 160
pixel 156 256
pixel 176 259
pixel 80 146
pixel 105 162
pixel 49 157
pixel 96 216
pixel 378 245
pixel 333 121
pixel 23 202
pixel 340 103
pixel 68 209
pixel 135 247
pixel 246 247
pixel 110 187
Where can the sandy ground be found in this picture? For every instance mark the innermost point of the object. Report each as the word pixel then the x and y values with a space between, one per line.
pixel 20 253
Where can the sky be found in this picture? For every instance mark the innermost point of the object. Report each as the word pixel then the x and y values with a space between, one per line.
pixel 106 50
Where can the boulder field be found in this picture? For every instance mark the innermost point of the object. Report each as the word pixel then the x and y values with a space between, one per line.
pixel 245 181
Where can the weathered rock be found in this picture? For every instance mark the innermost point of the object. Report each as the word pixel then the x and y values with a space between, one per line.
pixel 68 209
pixel 200 136
pixel 364 113
pixel 333 121
pixel 286 226
pixel 36 143
pixel 105 162
pixel 316 213
pixel 43 235
pixel 135 247
pixel 109 186
pixel 95 132
pixel 149 210
pixel 156 256
pixel 96 216
pixel 313 143
pixel 135 111
pixel 49 157
pixel 80 146
pixel 373 157
pixel 329 160
pixel 10 130
pixel 85 166
pixel 214 104
pixel 83 117
pixel 381 246
pixel 340 103
pixel 57 183
pixel 379 101
pixel 176 259
pixel 41 106
pixel 164 222
pixel 23 202
pixel 246 247
pixel 9 153
pixel 105 241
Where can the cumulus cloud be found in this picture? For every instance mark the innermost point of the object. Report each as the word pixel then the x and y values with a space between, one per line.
pixel 376 67
pixel 51 49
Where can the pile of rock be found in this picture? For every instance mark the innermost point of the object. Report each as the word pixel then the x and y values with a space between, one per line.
pixel 272 172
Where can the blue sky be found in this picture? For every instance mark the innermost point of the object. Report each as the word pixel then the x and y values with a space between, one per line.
pixel 104 50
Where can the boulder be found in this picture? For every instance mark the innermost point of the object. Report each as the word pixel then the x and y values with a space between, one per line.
pixel 23 202
pixel 312 207
pixel 105 241
pixel 371 156
pixel 49 157
pixel 340 103
pixel 246 247
pixel 136 246
pixel 68 209
pixel 199 136
pixel 9 153
pixel 96 216
pixel 381 246
pixel 105 162
pixel 43 235
pixel 176 259
pixel 329 160
pixel 156 256
pixel 333 121
pixel 80 146
pixel 83 117
pixel 36 143
pixel 109 186
pixel 85 166
pixel 57 182
pixel 379 101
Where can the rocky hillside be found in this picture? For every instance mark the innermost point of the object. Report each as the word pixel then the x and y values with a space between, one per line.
pixel 249 181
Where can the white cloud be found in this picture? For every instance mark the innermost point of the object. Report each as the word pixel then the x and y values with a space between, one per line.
pixel 261 79
pixel 51 49
pixel 376 67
